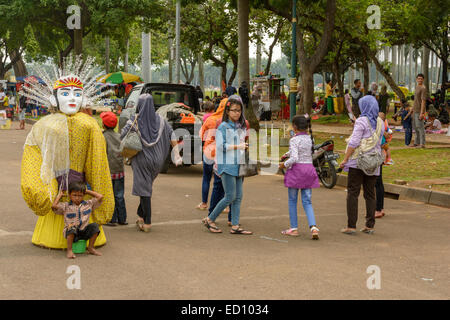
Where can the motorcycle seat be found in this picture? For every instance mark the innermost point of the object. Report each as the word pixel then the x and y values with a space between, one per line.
pixel 316 147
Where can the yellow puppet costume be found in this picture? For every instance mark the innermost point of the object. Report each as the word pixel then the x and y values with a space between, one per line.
pixel 53 141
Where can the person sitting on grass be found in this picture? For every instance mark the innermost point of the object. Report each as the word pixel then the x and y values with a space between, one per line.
pixel 76 216
pixel 443 114
pixel 434 125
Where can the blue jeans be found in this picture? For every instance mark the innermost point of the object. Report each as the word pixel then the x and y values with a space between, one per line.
pixel 207 175
pixel 120 211
pixel 217 194
pixel 307 206
pixel 408 135
pixel 233 195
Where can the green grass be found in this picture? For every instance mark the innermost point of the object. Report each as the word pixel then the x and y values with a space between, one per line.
pixel 418 164
pixel 333 119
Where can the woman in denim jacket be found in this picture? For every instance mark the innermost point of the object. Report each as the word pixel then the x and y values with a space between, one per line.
pixel 230 147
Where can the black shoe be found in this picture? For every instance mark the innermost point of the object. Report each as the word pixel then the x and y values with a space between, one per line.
pixel 123 223
pixel 111 224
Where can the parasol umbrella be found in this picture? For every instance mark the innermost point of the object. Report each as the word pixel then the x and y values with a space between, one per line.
pixel 119 77
pixel 33 79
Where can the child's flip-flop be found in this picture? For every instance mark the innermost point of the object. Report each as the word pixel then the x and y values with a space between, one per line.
pixel 290 232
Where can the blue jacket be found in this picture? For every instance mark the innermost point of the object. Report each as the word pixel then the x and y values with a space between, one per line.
pixel 228 134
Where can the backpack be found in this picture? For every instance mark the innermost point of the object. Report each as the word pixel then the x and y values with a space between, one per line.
pixel 369 161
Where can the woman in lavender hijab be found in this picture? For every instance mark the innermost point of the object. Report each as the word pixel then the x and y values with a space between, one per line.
pixel 370 128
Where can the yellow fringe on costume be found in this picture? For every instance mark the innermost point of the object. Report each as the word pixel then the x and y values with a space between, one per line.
pixel 87 150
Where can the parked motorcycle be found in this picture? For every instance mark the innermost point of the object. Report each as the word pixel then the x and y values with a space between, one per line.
pixel 324 160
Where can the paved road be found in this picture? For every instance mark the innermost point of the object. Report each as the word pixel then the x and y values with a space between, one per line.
pixel 179 259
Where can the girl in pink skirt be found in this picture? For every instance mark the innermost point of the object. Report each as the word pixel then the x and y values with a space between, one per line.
pixel 300 175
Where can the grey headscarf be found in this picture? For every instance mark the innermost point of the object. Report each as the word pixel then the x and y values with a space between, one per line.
pixel 148 120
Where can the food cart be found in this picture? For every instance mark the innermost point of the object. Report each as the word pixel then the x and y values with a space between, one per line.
pixel 269 89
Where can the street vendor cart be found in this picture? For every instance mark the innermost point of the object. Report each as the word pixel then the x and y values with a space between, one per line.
pixel 269 91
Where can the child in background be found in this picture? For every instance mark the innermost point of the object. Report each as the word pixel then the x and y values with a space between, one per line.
pixel 443 114
pixel 434 125
pixel 76 216
pixel 300 175
pixel 387 137
pixel 406 114
pixel 209 109
pixel 116 167
pixel 348 104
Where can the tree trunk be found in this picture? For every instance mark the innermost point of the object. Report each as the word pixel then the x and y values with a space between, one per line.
pixel 309 63
pixel 125 60
pixel 170 58
pixel 272 45
pixel 107 55
pixel 20 69
pixel 416 64
pixel 223 75
pixel 410 68
pixel 201 75
pixel 234 72
pixel 366 75
pixel 307 97
pixel 192 74
pixel 78 41
pixel 437 66
pixel 394 63
pixel 258 53
pixel 444 58
pixel 350 78
pixel 243 57
pixel 337 78
pixel 425 67
pixel 383 72
pixel 444 78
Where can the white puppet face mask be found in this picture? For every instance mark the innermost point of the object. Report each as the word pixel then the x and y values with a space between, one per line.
pixel 70 99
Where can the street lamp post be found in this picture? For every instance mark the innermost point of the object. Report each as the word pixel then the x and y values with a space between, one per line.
pixel 293 81
pixel 177 41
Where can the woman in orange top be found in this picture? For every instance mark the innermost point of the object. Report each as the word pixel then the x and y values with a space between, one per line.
pixel 208 135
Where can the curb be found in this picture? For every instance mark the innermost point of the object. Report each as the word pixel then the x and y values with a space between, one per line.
pixel 399 192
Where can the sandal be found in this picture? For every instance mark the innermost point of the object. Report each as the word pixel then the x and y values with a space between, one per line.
pixel 200 207
pixel 240 231
pixel 210 227
pixel 367 230
pixel 144 229
pixel 348 231
pixel 230 224
pixel 290 232
pixel 315 233
pixel 139 223
pixel 378 214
